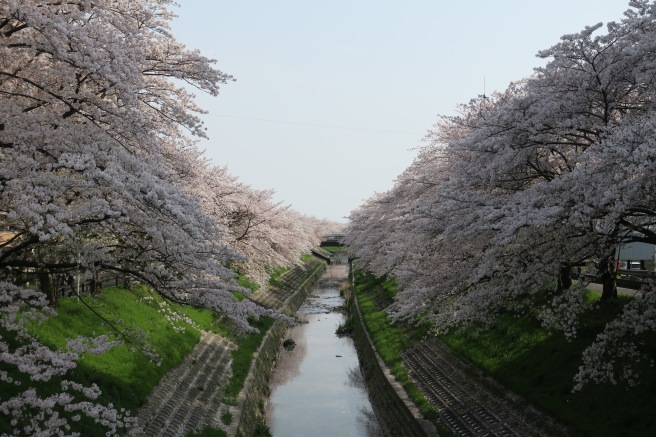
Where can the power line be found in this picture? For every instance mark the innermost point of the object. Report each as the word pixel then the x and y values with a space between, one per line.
pixel 316 124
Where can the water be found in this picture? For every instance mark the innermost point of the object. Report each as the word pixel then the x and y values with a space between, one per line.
pixel 317 388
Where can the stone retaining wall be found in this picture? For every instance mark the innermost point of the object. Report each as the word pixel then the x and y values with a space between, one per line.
pixel 294 302
pixel 396 413
pixel 253 397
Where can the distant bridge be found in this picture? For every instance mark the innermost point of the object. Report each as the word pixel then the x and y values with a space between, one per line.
pixel 334 239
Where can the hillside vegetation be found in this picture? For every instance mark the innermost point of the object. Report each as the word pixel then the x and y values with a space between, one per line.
pixel 160 335
pixel 537 363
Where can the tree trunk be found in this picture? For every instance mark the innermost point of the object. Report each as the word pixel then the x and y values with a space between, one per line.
pixel 96 285
pixel 564 279
pixel 607 270
pixel 48 288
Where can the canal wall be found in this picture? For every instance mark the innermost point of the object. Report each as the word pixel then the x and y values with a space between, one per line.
pixel 253 397
pixel 396 413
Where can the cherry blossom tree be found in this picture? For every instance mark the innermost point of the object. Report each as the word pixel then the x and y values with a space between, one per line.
pixel 521 186
pixel 91 116
pixel 93 159
pixel 265 232
pixel 23 407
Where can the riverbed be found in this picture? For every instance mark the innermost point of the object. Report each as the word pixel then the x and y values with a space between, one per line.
pixel 317 388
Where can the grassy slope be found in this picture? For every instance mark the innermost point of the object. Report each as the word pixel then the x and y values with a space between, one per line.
pixel 242 357
pixel 536 363
pixel 127 377
pixel 334 249
pixel 541 365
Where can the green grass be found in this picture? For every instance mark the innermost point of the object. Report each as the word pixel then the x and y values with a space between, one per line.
pixel 275 273
pixel 125 309
pixel 247 283
pixel 334 249
pixel 242 357
pixel 125 376
pixel 208 432
pixel 226 418
pixel 239 296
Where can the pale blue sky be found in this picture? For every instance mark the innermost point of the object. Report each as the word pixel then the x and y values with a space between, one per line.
pixel 332 97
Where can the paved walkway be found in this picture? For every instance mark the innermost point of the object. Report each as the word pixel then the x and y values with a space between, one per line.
pixel 620 290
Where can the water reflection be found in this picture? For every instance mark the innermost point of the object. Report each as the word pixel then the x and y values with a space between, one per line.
pixel 292 359
pixel 356 379
pixel 317 388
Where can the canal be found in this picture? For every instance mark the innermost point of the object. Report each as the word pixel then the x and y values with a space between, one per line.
pixel 317 388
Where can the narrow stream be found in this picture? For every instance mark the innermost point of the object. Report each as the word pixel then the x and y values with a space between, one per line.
pixel 317 388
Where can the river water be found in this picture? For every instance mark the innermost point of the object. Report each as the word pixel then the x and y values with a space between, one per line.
pixel 317 388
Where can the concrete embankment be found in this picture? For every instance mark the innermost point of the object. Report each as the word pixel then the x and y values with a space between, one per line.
pixel 395 411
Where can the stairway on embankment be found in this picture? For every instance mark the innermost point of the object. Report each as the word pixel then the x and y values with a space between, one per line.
pixel 189 397
pixel 471 404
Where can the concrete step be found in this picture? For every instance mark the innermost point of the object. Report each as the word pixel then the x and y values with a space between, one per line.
pixel 469 403
pixel 189 398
